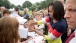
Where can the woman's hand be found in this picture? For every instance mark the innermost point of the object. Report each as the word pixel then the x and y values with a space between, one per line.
pixel 32 23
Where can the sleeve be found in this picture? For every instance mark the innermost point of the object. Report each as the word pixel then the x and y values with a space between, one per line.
pixel 52 36
pixel 47 37
pixel 50 28
pixel 57 32
pixel 44 20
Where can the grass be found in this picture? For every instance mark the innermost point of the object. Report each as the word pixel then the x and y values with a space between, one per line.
pixel 29 12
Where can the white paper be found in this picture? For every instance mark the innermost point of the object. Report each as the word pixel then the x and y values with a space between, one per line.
pixel 23 32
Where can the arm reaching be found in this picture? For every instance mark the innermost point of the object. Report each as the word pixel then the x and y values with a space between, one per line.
pixel 44 20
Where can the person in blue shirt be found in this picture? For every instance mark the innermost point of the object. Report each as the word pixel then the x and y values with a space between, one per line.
pixel 25 14
pixel 56 23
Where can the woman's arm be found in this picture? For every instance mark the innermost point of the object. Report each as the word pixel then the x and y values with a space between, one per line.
pixel 47 37
pixel 38 32
pixel 44 20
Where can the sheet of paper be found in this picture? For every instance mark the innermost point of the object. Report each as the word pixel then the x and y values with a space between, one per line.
pixel 23 32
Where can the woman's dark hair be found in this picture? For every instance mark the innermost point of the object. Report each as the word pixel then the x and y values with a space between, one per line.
pixel 58 7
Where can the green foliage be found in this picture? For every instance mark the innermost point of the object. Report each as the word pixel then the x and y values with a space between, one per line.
pixel 32 7
pixel 64 0
pixel 38 5
pixel 12 6
pixel 27 4
pixel 5 3
pixel 1 3
pixel 19 6
pixel 43 4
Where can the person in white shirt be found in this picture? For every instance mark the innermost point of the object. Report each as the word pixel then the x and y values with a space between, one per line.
pixel 37 16
pixel 70 15
pixel 15 13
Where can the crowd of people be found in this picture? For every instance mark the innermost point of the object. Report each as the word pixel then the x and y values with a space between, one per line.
pixel 55 24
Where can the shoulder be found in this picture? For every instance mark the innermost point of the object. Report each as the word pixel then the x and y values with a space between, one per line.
pixel 61 26
pixel 62 23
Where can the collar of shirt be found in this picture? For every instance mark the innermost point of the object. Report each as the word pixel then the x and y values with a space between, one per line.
pixel 15 12
pixel 75 33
